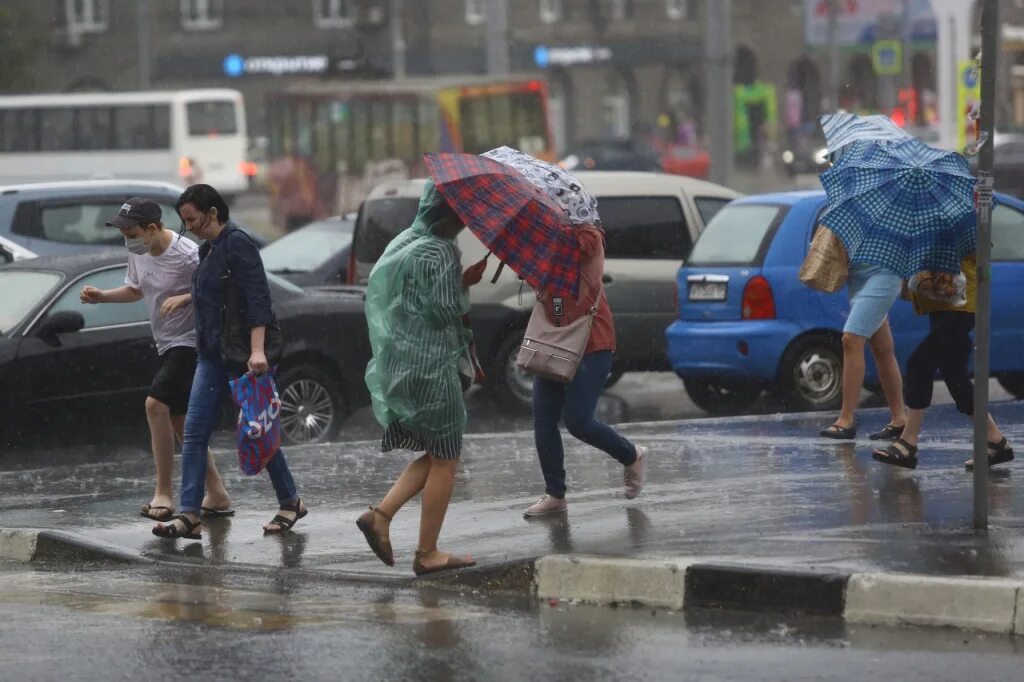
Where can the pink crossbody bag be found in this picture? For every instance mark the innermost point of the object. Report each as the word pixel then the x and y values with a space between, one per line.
pixel 555 351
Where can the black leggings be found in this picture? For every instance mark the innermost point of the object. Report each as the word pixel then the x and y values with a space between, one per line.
pixel 947 348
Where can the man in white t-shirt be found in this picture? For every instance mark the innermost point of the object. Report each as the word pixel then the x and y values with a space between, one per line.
pixel 160 267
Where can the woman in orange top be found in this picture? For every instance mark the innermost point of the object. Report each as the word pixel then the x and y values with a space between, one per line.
pixel 947 348
pixel 576 402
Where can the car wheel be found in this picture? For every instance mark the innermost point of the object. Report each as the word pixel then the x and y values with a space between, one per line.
pixel 812 375
pixel 509 386
pixel 312 406
pixel 1013 384
pixel 721 398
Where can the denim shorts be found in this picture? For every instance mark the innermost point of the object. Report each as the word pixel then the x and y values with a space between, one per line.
pixel 873 290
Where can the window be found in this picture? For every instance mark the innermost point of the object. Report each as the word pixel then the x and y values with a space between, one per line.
pixel 142 127
pixel 379 222
pixel 475 12
pixel 649 228
pixel 202 15
pixel 23 291
pixel 334 13
pixel 708 207
pixel 81 222
pixel 307 249
pixel 209 119
pixel 57 130
pixel 102 315
pixel 679 10
pixel 735 236
pixel 621 10
pixel 1007 234
pixel 84 16
pixel 550 11
pixel 513 119
pixel 95 125
pixel 19 130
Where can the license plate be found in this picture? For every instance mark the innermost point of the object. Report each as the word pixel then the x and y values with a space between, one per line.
pixel 707 291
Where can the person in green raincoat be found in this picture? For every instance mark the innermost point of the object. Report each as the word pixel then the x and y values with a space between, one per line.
pixel 415 302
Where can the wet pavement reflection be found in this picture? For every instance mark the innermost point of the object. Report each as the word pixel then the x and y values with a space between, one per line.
pixel 761 488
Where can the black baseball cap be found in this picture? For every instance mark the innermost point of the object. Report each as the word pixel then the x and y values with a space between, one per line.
pixel 135 211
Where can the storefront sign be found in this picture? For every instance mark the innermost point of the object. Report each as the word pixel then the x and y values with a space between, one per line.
pixel 236 66
pixel 858 20
pixel 544 56
pixel 887 57
pixel 968 97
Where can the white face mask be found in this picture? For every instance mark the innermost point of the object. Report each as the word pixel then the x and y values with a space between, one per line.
pixel 136 245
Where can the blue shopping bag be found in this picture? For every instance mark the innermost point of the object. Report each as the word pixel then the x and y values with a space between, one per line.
pixel 259 420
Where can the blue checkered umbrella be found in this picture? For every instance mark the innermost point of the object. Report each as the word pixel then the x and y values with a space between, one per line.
pixel 902 205
pixel 842 129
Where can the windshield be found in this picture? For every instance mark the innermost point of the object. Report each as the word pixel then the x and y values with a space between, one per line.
pixel 735 235
pixel 23 291
pixel 308 248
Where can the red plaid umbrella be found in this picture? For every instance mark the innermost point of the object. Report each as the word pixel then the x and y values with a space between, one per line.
pixel 516 220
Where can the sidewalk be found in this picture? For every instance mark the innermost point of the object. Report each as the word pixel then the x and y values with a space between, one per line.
pixel 755 490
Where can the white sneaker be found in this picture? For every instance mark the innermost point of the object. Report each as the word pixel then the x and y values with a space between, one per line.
pixel 546 505
pixel 635 475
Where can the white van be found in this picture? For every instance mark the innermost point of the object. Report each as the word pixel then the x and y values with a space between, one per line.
pixel 651 221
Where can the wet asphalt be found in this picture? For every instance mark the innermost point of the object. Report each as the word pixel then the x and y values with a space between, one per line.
pixel 130 624
pixel 756 489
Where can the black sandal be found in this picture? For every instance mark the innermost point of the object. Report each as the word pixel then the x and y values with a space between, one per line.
pixel 899 453
pixel 837 432
pixel 999 453
pixel 889 432
pixel 151 512
pixel 283 522
pixel 190 532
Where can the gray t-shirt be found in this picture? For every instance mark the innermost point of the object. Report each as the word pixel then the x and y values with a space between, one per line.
pixel 159 277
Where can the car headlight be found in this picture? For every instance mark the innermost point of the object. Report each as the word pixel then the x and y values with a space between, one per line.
pixel 821 156
pixel 787 156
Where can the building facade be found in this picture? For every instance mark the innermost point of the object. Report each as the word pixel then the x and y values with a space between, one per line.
pixel 615 68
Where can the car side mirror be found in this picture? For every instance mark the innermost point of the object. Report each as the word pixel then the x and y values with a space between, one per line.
pixel 61 322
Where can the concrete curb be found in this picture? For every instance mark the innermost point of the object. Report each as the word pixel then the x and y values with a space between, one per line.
pixel 39 545
pixel 969 603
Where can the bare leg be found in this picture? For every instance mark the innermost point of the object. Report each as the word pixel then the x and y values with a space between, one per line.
pixel 994 436
pixel 216 494
pixel 407 486
pixel 162 437
pixel 437 493
pixel 853 378
pixel 915 420
pixel 883 348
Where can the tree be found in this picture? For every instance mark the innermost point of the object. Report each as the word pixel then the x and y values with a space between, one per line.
pixel 18 48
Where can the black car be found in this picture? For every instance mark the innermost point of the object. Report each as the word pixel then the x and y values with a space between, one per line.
pixel 86 367
pixel 611 155
pixel 316 254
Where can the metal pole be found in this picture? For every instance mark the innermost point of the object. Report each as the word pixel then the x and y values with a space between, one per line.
pixel 142 35
pixel 398 39
pixel 497 37
pixel 833 54
pixel 982 336
pixel 719 88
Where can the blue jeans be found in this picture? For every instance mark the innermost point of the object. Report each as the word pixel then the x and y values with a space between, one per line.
pixel 574 403
pixel 209 387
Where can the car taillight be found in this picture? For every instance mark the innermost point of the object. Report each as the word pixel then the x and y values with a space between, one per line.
pixel 248 169
pixel 758 300
pixel 185 167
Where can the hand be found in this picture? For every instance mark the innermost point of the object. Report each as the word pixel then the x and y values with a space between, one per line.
pixel 172 303
pixel 258 363
pixel 474 273
pixel 91 295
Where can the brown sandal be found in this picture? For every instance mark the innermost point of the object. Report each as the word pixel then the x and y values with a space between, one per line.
pixel 452 564
pixel 381 546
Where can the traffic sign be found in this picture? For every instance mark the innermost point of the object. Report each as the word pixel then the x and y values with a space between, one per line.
pixel 887 57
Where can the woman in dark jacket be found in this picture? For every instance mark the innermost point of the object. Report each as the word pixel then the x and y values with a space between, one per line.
pixel 226 249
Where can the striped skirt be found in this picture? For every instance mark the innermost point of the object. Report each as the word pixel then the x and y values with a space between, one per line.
pixel 397 437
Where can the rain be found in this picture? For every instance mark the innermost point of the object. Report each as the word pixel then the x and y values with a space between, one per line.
pixel 493 339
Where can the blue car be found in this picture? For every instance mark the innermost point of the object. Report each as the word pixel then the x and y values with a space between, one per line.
pixel 746 322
